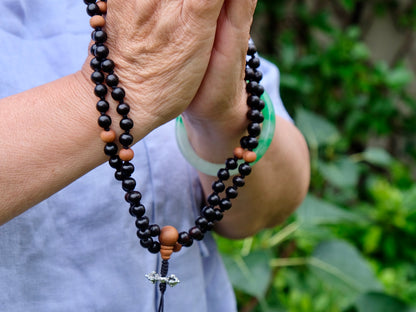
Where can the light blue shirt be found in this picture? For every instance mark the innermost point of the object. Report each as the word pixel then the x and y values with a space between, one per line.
pixel 77 250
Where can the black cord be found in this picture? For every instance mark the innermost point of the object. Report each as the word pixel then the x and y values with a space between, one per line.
pixel 162 286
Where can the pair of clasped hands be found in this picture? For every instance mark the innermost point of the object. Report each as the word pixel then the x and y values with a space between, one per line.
pixel 182 56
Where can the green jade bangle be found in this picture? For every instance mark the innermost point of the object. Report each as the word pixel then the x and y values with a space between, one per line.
pixel 265 139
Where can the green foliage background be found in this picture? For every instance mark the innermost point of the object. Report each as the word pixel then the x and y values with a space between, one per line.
pixel 351 245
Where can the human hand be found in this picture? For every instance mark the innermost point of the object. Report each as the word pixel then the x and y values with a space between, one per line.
pixel 161 49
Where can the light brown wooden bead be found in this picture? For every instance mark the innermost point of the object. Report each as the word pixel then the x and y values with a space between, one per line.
pixel 102 6
pixel 177 247
pixel 126 154
pixel 108 136
pixel 250 156
pixel 97 21
pixel 239 152
pixel 168 239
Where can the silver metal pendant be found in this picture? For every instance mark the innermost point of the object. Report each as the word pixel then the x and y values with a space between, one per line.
pixel 171 280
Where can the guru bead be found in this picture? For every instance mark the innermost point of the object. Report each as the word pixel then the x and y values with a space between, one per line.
pixel 168 239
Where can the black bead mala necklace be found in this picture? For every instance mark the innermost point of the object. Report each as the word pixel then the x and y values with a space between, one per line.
pixel 167 240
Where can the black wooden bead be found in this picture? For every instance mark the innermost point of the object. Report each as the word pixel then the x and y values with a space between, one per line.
pixel 254 88
pixel 184 238
pixel 137 211
pixel 104 121
pixel 123 109
pixel 239 181
pixel 134 197
pixel 210 226
pixel 231 163
pixel 250 74
pixel 142 223
pixel 110 149
pixel 107 66
pixel 225 204
pixel 100 90
pixel 254 62
pixel 102 106
pixel 244 169
pixel 255 115
pixel 258 76
pixel 143 234
pixel 251 49
pixel 213 199
pixel 128 184
pixel 146 243
pixel 119 176
pixel 252 143
pixel 118 94
pixel 218 215
pixel 231 192
pixel 127 168
pixel 253 101
pixel 115 162
pixel 223 174
pixel 254 129
pixel 93 9
pixel 196 233
pixel 97 77
pixel 99 36
pixel 95 64
pixel 261 105
pixel 101 51
pixel 202 224
pixel 155 248
pixel 218 186
pixel 126 139
pixel 126 124
pixel 209 213
pixel 154 230
pixel 112 80
pixel 93 51
pixel 244 142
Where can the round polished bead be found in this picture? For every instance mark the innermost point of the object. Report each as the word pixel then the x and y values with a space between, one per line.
pixel 225 204
pixel 223 174
pixel 115 162
pixel 97 21
pixel 108 136
pixel 123 109
pixel 210 226
pixel 155 248
pixel 252 143
pixel 97 77
pixel 196 233
pixel 110 149
pixel 102 106
pixel 100 90
pixel 250 74
pixel 133 197
pixel 231 192
pixel 101 51
pixel 239 181
pixel 104 121
pixel 209 213
pixel 238 152
pixel 118 94
pixel 244 143
pixel 254 62
pixel 143 234
pixel 218 186
pixel 93 9
pixel 146 243
pixel 250 156
pixel 253 101
pixel 126 124
pixel 202 224
pixel 185 239
pixel 103 6
pixel 93 50
pixel 154 230
pixel 254 88
pixel 112 80
pixel 128 184
pixel 142 223
pixel 126 154
pixel 95 64
pixel 107 66
pixel 258 76
pixel 168 236
pixel 244 169
pixel 254 129
pixel 213 199
pixel 255 115
pixel 251 49
pixel 137 211
pixel 218 215
pixel 127 169
pixel 99 36
pixel 126 139
pixel 231 163
pixel 118 175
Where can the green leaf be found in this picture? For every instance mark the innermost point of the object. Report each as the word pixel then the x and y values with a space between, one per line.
pixel 377 156
pixel 399 77
pixel 317 211
pixel 374 301
pixel 343 268
pixel 250 274
pixel 342 174
pixel 316 129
